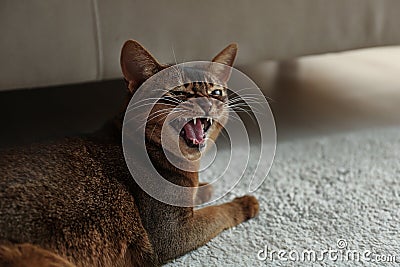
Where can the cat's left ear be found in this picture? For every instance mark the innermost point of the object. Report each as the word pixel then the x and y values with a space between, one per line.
pixel 226 57
pixel 137 64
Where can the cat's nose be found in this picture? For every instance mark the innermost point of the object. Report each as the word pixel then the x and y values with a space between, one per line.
pixel 205 104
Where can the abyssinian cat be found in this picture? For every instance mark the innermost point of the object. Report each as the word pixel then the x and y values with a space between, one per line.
pixel 73 202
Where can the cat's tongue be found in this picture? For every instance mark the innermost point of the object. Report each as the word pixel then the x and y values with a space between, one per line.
pixel 194 132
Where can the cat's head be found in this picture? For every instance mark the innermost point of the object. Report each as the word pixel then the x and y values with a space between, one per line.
pixel 202 106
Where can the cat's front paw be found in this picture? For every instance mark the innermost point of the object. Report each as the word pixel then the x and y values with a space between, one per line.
pixel 249 205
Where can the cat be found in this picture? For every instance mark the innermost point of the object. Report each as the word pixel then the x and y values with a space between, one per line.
pixel 73 202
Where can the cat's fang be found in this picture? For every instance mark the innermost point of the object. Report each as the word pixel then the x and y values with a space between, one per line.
pixel 194 121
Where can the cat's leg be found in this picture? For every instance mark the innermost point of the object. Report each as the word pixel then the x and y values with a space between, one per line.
pixel 197 227
pixel 204 195
pixel 24 255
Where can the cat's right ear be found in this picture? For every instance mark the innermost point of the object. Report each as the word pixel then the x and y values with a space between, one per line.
pixel 137 64
pixel 225 57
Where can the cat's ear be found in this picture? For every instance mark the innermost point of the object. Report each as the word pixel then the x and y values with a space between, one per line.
pixel 226 57
pixel 137 64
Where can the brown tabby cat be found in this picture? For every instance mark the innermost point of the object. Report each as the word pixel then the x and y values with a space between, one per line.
pixel 73 202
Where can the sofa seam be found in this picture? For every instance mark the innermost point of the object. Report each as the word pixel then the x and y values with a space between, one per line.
pixel 98 42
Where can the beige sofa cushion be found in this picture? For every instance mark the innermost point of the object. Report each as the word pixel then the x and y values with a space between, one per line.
pixel 264 29
pixel 58 42
pixel 47 43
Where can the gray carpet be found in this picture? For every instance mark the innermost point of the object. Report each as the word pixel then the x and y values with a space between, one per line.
pixel 320 190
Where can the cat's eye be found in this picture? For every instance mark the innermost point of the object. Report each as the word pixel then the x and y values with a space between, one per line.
pixel 217 92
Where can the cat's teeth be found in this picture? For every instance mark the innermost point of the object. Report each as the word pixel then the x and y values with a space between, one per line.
pixel 194 142
pixel 211 121
pixel 194 121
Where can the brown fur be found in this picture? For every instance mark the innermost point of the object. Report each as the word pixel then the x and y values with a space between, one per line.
pixel 27 255
pixel 73 201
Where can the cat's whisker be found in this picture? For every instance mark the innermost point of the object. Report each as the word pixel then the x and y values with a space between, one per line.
pixel 267 98
pixel 244 104
pixel 168 111
pixel 239 109
pixel 171 99
pixel 157 114
pixel 228 114
pixel 251 104
pixel 145 119
pixel 231 117
pixel 138 117
pixel 160 111
pixel 245 99
pixel 236 92
pixel 255 99
pixel 242 110
pixel 247 88
pixel 171 110
pixel 250 116
pixel 243 89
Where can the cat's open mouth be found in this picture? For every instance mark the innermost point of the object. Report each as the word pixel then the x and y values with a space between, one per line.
pixel 195 130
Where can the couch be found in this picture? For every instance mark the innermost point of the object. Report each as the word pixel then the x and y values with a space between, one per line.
pixel 47 43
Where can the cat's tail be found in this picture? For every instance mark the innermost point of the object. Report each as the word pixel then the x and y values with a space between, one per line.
pixel 27 255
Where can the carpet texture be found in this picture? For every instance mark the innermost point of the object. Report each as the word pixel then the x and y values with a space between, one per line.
pixel 323 193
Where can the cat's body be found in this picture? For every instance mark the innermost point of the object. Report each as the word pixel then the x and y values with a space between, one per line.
pixel 75 199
